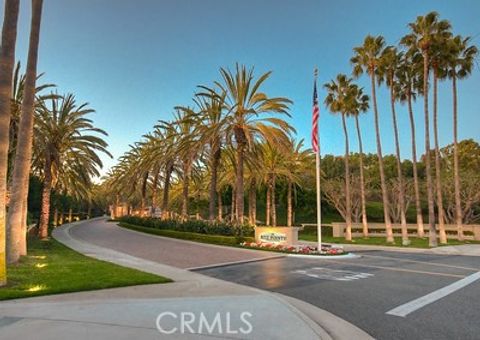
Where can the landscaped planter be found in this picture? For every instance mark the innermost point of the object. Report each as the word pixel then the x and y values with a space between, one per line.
pixel 327 250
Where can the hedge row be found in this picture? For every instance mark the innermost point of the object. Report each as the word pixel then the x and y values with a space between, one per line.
pixel 205 238
pixel 192 226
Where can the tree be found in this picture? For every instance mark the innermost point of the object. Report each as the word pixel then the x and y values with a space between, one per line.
pixel 460 60
pixel 408 81
pixel 340 93
pixel 16 237
pixel 361 104
pixel 7 59
pixel 69 143
pixel 390 62
pixel 246 105
pixel 367 59
pixel 425 32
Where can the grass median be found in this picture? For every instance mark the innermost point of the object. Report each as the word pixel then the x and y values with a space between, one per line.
pixel 52 268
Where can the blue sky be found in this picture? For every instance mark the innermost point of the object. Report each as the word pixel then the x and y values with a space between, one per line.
pixel 134 60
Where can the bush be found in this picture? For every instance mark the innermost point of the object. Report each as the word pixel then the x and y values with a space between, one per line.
pixel 205 238
pixel 312 230
pixel 191 226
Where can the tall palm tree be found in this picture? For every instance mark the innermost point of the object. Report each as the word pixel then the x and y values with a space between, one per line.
pixel 390 62
pixel 246 104
pixel 360 104
pixel 340 93
pixel 425 32
pixel 460 61
pixel 68 141
pixel 212 132
pixel 16 236
pixel 408 79
pixel 7 60
pixel 367 58
pixel 438 68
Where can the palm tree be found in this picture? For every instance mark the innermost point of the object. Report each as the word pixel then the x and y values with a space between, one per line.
pixel 367 58
pixel 212 132
pixel 69 143
pixel 425 32
pixel 460 59
pixel 7 60
pixel 358 105
pixel 16 237
pixel 297 165
pixel 339 97
pixel 246 103
pixel 390 62
pixel 408 79
pixel 438 68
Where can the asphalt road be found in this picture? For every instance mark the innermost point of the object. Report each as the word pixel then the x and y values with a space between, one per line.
pixel 177 253
pixel 362 290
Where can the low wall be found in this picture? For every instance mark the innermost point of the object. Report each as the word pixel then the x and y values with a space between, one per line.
pixel 471 231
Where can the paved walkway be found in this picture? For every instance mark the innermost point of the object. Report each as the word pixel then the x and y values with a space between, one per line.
pixel 131 312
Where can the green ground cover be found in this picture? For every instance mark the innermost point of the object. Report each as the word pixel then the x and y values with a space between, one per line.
pixel 52 268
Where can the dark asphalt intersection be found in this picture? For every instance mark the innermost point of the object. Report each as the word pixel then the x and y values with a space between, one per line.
pixel 363 290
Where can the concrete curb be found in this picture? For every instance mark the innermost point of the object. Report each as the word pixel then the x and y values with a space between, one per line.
pixel 188 283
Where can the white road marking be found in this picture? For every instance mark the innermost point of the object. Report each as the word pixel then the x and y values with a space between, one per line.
pixel 332 274
pixel 416 304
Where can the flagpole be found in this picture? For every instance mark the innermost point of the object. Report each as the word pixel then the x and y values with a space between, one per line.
pixel 319 201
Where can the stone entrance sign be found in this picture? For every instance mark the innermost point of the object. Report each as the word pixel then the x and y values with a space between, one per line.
pixel 277 235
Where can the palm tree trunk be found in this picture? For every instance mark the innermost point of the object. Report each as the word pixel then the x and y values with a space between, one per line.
pixel 70 215
pixel 273 204
pixel 220 207
pixel 268 202
pixel 155 191
pixel 166 188
pixel 438 175
pixel 418 205
pixel 214 161
pixel 233 206
pixel 7 59
pixel 401 186
pixel 46 191
pixel 254 204
pixel 186 182
pixel 456 171
pixel 386 212
pixel 289 204
pixel 239 183
pixel 431 209
pixel 252 201
pixel 23 153
pixel 348 202
pixel 144 194
pixel 362 181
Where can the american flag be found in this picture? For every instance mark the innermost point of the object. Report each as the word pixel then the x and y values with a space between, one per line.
pixel 316 113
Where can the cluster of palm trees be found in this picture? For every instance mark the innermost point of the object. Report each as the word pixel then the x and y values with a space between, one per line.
pixel 429 48
pixel 45 135
pixel 232 136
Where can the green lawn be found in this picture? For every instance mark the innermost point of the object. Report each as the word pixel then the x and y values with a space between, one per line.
pixel 52 268
pixel 378 241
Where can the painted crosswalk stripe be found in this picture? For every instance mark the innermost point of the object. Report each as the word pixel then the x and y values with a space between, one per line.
pixel 416 304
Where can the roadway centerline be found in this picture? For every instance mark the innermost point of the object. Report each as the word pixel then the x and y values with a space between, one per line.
pixel 416 304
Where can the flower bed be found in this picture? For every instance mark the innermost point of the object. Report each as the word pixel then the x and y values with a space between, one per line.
pixel 327 250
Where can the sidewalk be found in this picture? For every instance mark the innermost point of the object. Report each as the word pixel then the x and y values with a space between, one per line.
pixel 131 312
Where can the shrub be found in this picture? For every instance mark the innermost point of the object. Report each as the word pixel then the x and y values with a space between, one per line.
pixel 191 226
